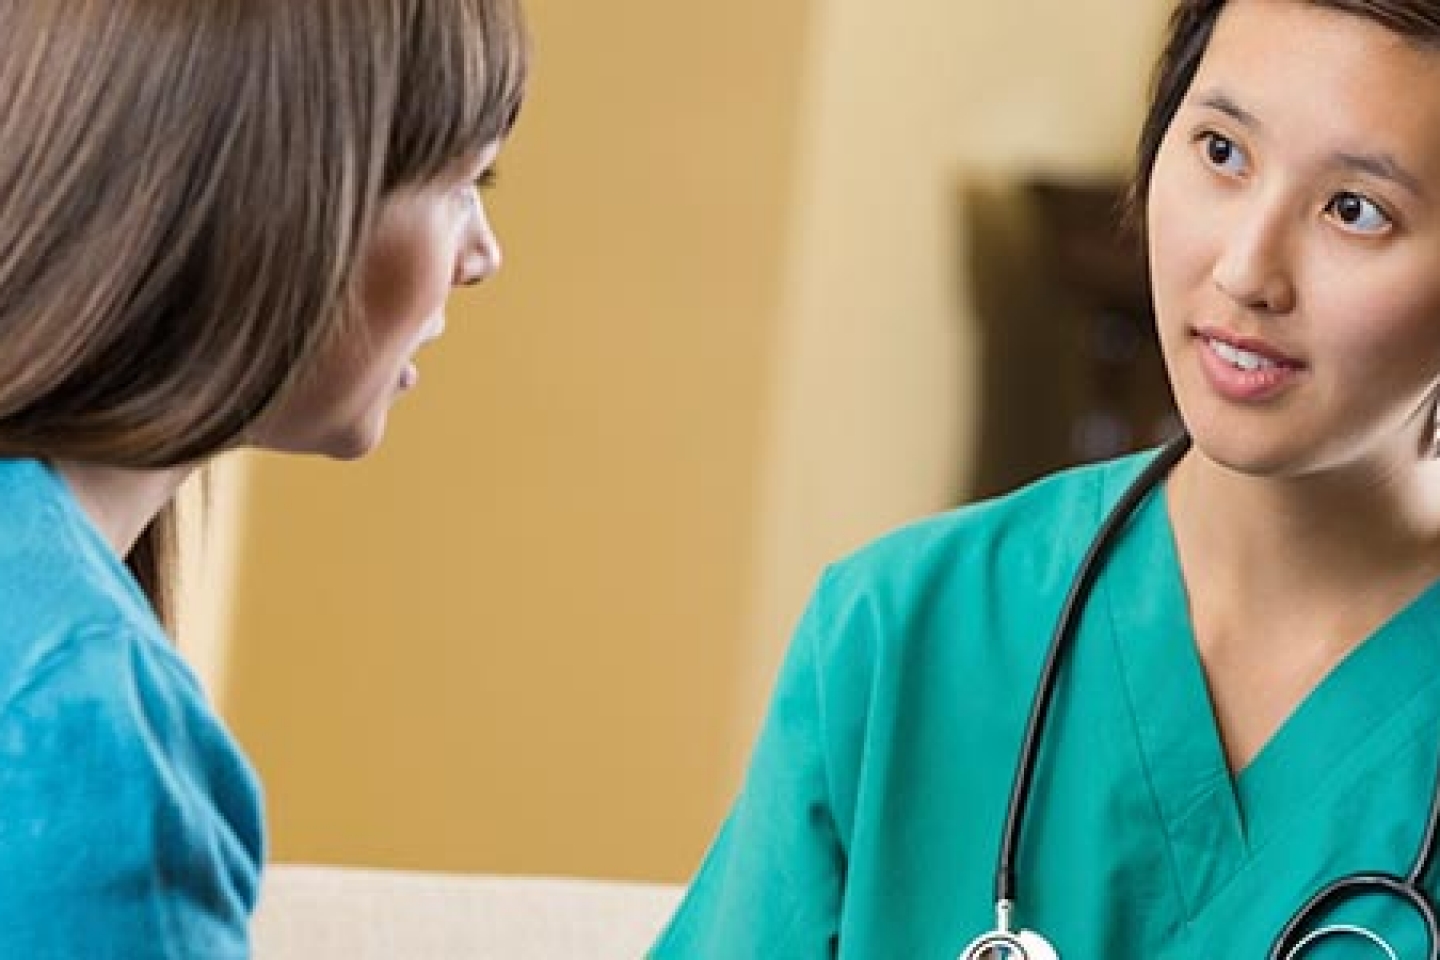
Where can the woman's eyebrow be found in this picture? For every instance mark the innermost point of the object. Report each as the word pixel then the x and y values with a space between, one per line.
pixel 1382 166
pixel 1226 104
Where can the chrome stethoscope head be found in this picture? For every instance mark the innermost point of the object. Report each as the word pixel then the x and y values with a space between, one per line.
pixel 1341 930
pixel 1004 944
pixel 1306 927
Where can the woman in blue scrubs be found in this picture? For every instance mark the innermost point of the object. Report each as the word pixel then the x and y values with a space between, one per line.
pixel 222 225
pixel 1249 706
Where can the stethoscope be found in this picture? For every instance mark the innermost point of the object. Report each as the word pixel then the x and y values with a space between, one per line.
pixel 1305 928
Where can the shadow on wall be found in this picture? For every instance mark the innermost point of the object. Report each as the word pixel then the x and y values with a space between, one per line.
pixel 1070 365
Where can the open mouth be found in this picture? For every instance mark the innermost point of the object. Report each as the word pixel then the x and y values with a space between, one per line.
pixel 1248 356
pixel 1244 370
pixel 1240 359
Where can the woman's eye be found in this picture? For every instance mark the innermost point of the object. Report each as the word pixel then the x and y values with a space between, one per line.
pixel 1223 153
pixel 470 194
pixel 1357 213
pixel 469 199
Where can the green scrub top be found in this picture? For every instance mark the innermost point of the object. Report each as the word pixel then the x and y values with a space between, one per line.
pixel 871 815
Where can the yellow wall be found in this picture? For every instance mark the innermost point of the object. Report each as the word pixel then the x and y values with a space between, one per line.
pixel 535 633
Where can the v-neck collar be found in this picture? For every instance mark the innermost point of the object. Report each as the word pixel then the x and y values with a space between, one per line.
pixel 1359 702
pixel 1180 750
pixel 1216 823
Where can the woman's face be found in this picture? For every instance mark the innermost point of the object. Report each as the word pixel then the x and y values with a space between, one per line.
pixel 1294 231
pixel 427 239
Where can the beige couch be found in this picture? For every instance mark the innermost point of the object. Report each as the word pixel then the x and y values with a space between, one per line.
pixel 333 913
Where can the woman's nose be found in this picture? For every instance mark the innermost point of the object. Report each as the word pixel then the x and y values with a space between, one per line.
pixel 1253 268
pixel 480 255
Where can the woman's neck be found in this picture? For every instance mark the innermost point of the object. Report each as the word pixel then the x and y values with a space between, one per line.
pixel 1338 531
pixel 121 503
pixel 1286 576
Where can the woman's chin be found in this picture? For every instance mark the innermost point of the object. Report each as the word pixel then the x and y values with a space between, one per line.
pixel 357 442
pixel 345 442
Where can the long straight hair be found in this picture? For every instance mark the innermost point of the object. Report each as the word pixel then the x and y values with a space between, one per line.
pixel 185 189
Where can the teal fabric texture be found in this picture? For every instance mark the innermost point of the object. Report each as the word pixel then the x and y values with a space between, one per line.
pixel 130 823
pixel 870 819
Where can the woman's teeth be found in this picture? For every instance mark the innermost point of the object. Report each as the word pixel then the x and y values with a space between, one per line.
pixel 1241 359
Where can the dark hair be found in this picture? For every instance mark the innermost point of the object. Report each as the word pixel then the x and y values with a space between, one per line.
pixel 1191 25
pixel 185 188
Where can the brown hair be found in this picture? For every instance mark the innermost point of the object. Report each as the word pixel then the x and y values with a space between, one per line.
pixel 1191 25
pixel 184 190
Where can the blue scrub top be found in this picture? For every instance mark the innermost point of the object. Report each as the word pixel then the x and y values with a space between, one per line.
pixel 870 818
pixel 130 822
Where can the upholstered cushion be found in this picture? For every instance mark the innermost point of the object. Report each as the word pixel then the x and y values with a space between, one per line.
pixel 332 913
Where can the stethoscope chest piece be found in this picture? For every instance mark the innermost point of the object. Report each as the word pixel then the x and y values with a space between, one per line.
pixel 1000 945
pixel 1342 930
pixel 1004 944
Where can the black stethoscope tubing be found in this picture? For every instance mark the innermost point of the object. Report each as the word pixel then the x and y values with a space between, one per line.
pixel 1080 586
pixel 1407 888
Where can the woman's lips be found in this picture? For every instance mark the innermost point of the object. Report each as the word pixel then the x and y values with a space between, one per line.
pixel 1243 369
pixel 409 377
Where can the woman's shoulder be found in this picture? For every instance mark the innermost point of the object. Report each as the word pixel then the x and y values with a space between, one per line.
pixel 983 582
pixel 123 798
pixel 1042 525
pixel 90 695
pixel 106 661
pixel 121 791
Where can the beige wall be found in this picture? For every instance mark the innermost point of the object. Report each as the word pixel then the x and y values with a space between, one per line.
pixel 212 505
pixel 535 633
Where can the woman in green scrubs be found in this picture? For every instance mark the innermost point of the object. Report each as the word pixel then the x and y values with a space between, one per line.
pixel 1250 707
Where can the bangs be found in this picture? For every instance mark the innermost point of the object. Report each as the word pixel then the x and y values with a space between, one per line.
pixel 460 82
